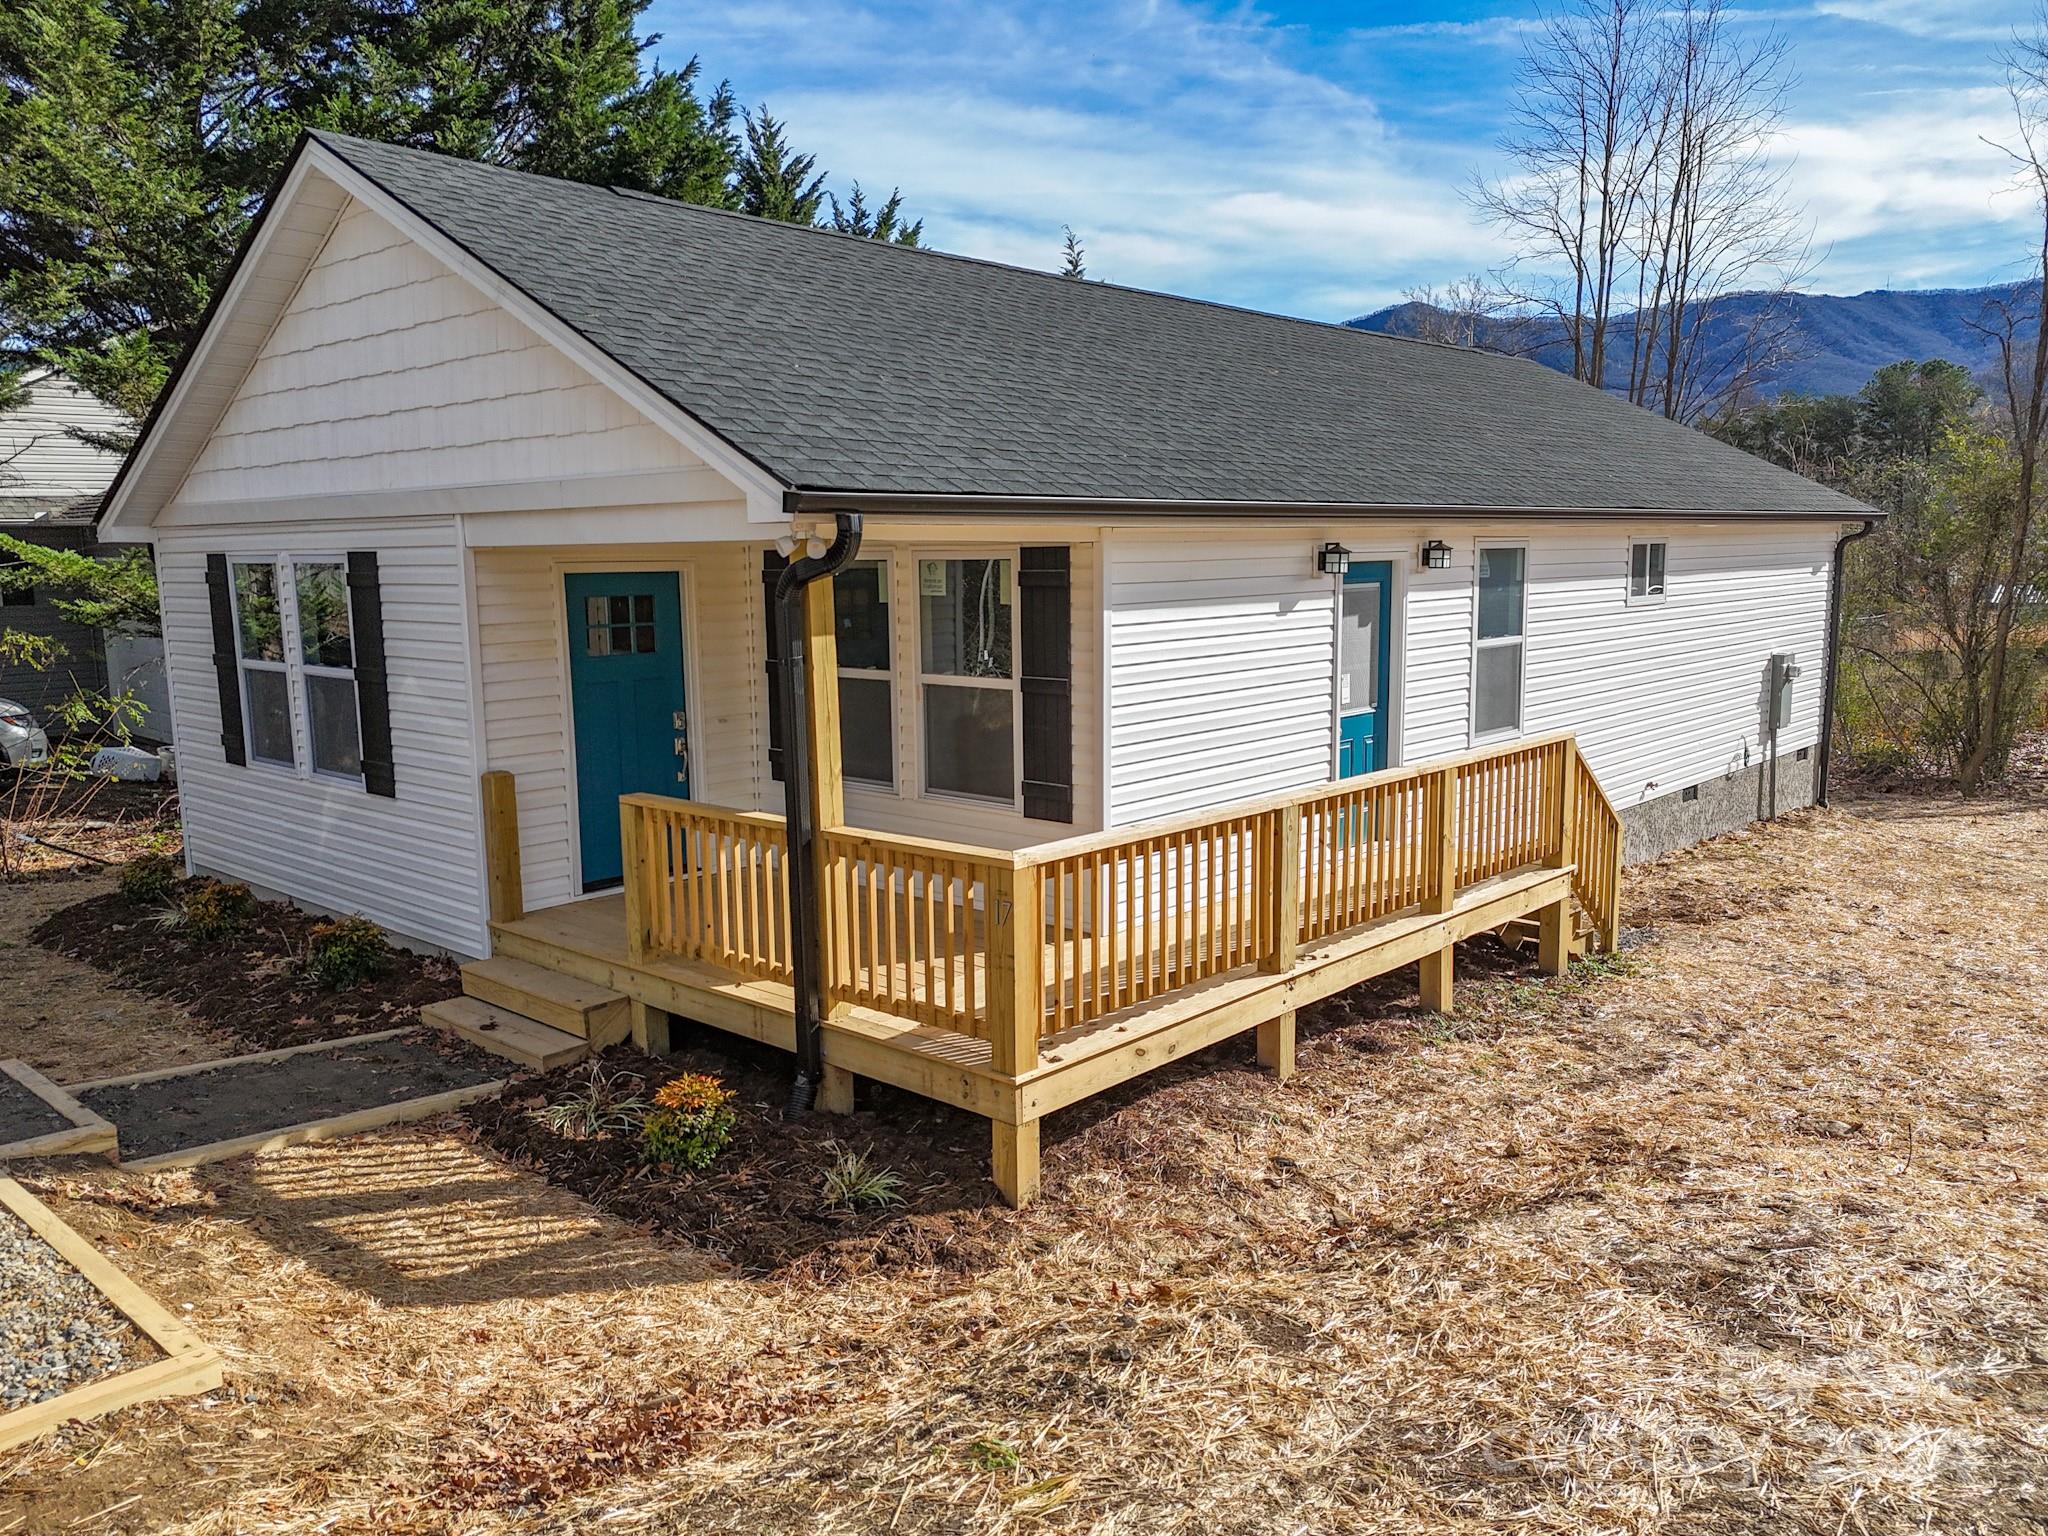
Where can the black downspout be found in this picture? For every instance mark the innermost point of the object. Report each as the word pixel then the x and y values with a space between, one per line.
pixel 1834 664
pixel 806 947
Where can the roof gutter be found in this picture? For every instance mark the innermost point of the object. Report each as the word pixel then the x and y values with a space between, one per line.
pixel 1834 668
pixel 799 503
pixel 806 926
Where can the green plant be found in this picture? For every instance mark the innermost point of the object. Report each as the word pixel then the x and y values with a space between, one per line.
pixel 345 951
pixel 214 909
pixel 604 1104
pixel 692 1122
pixel 993 1455
pixel 855 1180
pixel 150 879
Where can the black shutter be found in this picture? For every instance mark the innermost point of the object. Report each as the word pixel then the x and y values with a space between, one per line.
pixel 373 681
pixel 772 564
pixel 1045 673
pixel 226 670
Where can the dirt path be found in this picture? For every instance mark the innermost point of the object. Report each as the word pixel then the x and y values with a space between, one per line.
pixel 1747 1233
pixel 71 1022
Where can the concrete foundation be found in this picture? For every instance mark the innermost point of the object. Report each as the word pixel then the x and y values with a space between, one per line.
pixel 1734 800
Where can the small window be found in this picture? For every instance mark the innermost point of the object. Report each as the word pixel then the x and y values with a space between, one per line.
pixel 1497 660
pixel 1646 571
pixel 968 681
pixel 620 626
pixel 1690 793
pixel 266 675
pixel 867 716
pixel 327 663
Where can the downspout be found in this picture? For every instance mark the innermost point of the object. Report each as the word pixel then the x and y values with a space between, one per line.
pixel 1834 664
pixel 806 931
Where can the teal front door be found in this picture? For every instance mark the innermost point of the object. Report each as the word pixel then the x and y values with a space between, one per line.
pixel 1365 613
pixel 626 700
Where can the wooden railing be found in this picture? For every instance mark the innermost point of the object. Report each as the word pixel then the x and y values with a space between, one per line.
pixel 1009 947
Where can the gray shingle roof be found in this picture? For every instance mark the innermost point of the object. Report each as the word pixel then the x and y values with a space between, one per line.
pixel 842 364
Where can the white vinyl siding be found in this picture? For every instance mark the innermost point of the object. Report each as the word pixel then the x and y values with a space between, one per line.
pixel 412 863
pixel 39 456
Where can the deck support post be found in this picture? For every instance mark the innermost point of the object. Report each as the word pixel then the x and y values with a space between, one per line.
pixel 1276 1045
pixel 1435 980
pixel 633 854
pixel 1016 1010
pixel 649 1027
pixel 828 783
pixel 835 1091
pixel 1553 937
pixel 504 884
pixel 1015 1159
pixel 1442 844
pixel 1283 947
pixel 1554 922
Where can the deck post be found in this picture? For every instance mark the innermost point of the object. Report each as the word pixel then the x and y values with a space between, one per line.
pixel 1283 945
pixel 504 883
pixel 1016 1010
pixel 835 1091
pixel 633 851
pixel 1015 1161
pixel 1441 839
pixel 1435 979
pixel 1554 922
pixel 649 1027
pixel 828 784
pixel 1276 1045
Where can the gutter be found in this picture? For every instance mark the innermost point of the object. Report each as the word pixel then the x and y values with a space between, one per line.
pixel 1834 663
pixel 806 929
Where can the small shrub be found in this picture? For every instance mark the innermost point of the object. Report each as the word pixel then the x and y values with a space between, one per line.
pixel 213 909
pixel 345 951
pixel 855 1180
pixel 691 1123
pixel 150 879
pixel 604 1105
pixel 993 1455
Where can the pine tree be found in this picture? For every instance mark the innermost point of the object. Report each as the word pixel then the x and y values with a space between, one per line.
pixel 886 224
pixel 774 181
pixel 1076 262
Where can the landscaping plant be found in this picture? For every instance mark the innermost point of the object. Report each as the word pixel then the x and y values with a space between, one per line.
pixel 855 1179
pixel 692 1122
pixel 346 950
pixel 214 909
pixel 604 1105
pixel 150 879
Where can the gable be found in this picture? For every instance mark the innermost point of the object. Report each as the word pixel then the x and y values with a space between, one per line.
pixel 388 372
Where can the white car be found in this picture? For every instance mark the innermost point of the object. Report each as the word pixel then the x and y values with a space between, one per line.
pixel 21 740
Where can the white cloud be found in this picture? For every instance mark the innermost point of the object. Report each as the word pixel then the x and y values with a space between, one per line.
pixel 1947 20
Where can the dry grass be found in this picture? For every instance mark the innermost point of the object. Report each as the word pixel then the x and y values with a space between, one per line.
pixel 1748 1233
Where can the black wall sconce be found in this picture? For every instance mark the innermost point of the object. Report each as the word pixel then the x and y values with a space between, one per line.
pixel 1436 556
pixel 1333 559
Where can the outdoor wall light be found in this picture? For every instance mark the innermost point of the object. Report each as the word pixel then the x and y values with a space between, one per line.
pixel 1333 559
pixel 1436 556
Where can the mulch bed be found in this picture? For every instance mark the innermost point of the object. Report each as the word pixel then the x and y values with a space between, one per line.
pixel 198 1108
pixel 761 1204
pixel 250 985
pixel 24 1116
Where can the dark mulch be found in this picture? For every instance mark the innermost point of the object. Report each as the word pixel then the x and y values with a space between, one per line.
pixel 761 1204
pixel 252 985
pixel 222 1103
pixel 24 1116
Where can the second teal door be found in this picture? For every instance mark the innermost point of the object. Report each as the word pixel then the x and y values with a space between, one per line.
pixel 1364 614
pixel 626 699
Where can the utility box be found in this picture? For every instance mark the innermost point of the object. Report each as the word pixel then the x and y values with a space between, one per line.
pixel 1784 669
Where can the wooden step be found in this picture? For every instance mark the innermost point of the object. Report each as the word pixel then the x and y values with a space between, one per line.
pixel 508 1034
pixel 567 1003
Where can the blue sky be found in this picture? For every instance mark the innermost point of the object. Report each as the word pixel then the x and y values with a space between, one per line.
pixel 1310 158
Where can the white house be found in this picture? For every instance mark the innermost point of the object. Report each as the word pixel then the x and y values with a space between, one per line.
pixel 476 473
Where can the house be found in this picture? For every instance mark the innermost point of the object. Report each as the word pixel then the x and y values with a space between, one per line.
pixel 51 478
pixel 1177 664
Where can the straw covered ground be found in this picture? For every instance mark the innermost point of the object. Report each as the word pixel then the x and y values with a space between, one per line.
pixel 1746 1232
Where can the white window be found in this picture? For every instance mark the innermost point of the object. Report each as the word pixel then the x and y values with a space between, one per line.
pixel 314 677
pixel 967 677
pixel 1646 571
pixel 867 713
pixel 1497 653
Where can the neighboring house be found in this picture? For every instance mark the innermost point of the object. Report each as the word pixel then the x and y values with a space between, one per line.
pixel 477 473
pixel 51 480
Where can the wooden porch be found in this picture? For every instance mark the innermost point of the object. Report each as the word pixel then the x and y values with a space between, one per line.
pixel 1013 984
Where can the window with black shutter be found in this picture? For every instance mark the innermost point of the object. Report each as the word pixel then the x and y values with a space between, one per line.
pixel 1045 650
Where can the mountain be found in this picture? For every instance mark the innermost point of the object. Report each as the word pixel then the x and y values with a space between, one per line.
pixel 1840 340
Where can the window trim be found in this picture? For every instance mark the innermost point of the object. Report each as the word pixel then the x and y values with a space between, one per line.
pixel 893 786
pixel 1011 684
pixel 1648 598
pixel 296 669
pixel 1520 638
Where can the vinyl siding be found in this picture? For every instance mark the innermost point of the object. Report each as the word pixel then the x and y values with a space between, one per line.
pixel 38 455
pixel 412 863
pixel 388 372
pixel 83 664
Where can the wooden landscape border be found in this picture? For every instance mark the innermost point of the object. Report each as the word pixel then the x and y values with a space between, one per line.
pixel 374 1118
pixel 88 1132
pixel 189 1363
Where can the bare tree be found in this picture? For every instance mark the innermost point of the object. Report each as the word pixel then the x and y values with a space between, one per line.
pixel 1642 144
pixel 1460 314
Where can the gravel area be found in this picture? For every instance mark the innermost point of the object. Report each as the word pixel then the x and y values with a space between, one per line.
pixel 56 1331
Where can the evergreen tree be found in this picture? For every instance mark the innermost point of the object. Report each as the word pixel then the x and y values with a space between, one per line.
pixel 1075 264
pixel 774 181
pixel 886 224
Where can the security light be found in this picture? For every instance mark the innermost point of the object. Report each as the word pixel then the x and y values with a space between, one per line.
pixel 1436 555
pixel 1333 559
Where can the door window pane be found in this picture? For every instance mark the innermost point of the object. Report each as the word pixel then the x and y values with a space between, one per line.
pixel 1497 703
pixel 970 746
pixel 966 617
pixel 1500 592
pixel 867 730
pixel 260 627
pixel 337 735
pixel 860 605
pixel 323 615
pixel 270 714
pixel 1358 648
